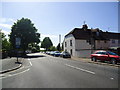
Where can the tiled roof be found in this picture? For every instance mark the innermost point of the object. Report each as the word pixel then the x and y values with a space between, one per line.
pixel 80 33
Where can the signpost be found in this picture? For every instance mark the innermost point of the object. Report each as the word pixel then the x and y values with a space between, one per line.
pixel 17 43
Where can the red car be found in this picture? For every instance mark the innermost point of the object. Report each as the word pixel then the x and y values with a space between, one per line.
pixel 105 56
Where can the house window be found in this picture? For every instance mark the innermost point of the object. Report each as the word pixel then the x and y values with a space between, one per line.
pixel 119 41
pixel 70 42
pixel 71 51
pixel 65 44
pixel 105 41
pixel 97 33
pixel 113 41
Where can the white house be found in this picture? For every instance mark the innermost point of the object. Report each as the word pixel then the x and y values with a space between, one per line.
pixel 81 42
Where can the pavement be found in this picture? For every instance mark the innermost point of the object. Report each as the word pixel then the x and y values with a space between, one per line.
pixel 88 60
pixel 9 64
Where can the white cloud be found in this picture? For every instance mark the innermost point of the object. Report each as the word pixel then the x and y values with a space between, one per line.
pixel 5 32
pixel 6 26
pixel 48 35
pixel 6 20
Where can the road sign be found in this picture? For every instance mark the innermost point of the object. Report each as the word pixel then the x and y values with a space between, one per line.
pixel 18 42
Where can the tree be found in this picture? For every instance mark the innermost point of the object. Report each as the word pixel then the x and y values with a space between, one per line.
pixel 26 31
pixel 4 41
pixel 62 48
pixel 5 45
pixel 58 47
pixel 52 48
pixel 34 47
pixel 46 43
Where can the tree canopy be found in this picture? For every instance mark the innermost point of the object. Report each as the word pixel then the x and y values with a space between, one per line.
pixel 46 43
pixel 52 48
pixel 59 47
pixel 5 43
pixel 26 31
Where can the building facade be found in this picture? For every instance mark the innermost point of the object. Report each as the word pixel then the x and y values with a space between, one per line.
pixel 81 42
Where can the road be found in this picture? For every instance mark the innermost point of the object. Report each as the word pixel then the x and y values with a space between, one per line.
pixel 56 72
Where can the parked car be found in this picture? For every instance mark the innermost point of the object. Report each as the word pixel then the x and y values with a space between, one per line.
pixel 105 56
pixel 52 53
pixel 47 52
pixel 65 54
pixel 57 53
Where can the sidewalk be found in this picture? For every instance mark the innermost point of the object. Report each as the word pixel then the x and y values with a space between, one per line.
pixel 88 60
pixel 9 64
pixel 81 59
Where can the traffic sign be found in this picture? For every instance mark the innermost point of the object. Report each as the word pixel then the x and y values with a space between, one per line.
pixel 18 42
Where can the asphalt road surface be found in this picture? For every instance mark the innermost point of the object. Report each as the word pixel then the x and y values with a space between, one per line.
pixel 56 72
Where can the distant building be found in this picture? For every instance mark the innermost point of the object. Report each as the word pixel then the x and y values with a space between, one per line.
pixel 81 42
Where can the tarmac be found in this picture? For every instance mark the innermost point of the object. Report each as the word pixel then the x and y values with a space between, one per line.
pixel 10 64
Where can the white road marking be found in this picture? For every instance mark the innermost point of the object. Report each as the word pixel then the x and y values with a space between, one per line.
pixel 30 62
pixel 112 78
pixel 19 72
pixel 9 75
pixel 80 69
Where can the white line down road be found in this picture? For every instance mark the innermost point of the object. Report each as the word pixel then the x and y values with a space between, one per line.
pixel 80 69
pixel 30 62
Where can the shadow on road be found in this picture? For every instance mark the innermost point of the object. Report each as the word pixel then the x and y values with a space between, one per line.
pixel 34 56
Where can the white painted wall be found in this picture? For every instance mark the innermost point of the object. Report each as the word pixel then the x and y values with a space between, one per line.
pixel 100 44
pixel 113 44
pixel 80 47
pixel 82 44
pixel 83 53
pixel 68 48
pixel 76 47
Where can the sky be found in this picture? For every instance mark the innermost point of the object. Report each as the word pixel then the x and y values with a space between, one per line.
pixel 54 18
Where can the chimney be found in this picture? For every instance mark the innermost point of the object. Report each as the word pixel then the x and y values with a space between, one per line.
pixel 85 27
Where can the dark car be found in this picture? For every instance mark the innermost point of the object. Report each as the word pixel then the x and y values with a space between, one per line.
pixel 105 56
pixel 65 54
pixel 57 53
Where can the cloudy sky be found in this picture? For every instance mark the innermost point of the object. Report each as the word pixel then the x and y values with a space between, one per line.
pixel 54 18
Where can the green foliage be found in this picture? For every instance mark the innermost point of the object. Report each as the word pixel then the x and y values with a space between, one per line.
pixel 5 43
pixel 52 48
pixel 62 48
pixel 34 47
pixel 25 30
pixel 46 43
pixel 58 47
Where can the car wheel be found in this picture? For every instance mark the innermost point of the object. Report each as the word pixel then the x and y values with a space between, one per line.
pixel 113 61
pixel 94 59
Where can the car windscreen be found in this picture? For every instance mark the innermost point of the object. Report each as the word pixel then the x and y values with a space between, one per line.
pixel 66 52
pixel 111 53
